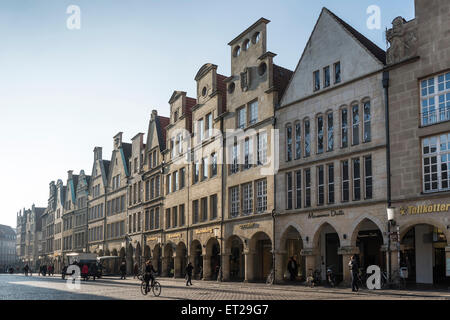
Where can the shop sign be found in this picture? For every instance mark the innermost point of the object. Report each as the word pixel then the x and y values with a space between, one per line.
pixel 249 225
pixel 205 230
pixel 333 213
pixel 425 208
pixel 173 236
pixel 152 239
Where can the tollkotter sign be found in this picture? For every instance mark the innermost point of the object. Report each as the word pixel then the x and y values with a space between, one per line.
pixel 424 209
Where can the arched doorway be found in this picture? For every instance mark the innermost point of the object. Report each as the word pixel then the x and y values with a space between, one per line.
pixel 100 253
pixel 213 257
pixel 423 253
pixel 147 253
pixel 129 259
pixel 180 260
pixel 328 243
pixel 157 261
pixel 261 247
pixel 197 259
pixel 168 266
pixel 368 238
pixel 107 253
pixel 293 245
pixel 237 261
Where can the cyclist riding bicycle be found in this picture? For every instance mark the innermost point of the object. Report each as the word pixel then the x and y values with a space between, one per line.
pixel 149 271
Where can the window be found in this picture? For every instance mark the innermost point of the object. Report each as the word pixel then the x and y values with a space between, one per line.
pixel 235 165
pixel 248 150
pixel 344 130
pixel 242 118
pixel 175 181
pixel 157 186
pixel 134 222
pixel 209 125
pixel 355 124
pixel 152 188
pixel 337 72
pixel 247 190
pixel 367 133
pixel 147 190
pixel 152 219
pixel 154 158
pixel 182 216
pixel 180 143
pixel 172 148
pixel 196 172
pixel 200 130
pixel 345 182
pixel 289 143
pixel 256 37
pixel 307 139
pixel 430 97
pixel 320 134
pixel 261 195
pixel 298 189
pixel 195 211
pixel 307 175
pixel 139 190
pixel 204 209
pixel 182 178
pixel 157 218
pixel 436 162
pixel 146 222
pixel 356 180
pixel 205 168
pixel 326 76
pixel 262 148
pixel 368 176
pixel 330 132
pixel 175 116
pixel 237 51
pixel 234 197
pixel 174 217
pixel 135 165
pixel 298 141
pixel 169 183
pixel 213 202
pixel 167 218
pixel 331 183
pixel 316 80
pixel 321 186
pixel 253 112
pixel 289 192
pixel 213 164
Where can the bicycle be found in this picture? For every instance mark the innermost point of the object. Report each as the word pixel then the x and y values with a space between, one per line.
pixel 313 278
pixel 270 277
pixel 397 281
pixel 155 286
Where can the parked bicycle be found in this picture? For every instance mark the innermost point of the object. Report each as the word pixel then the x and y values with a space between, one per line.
pixel 270 277
pixel 313 279
pixel 397 280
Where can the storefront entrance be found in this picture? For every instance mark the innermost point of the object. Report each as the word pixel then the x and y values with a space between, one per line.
pixel 237 261
pixel 196 253
pixel 369 240
pixel 329 258
pixel 423 253
pixel 262 257
pixel 293 247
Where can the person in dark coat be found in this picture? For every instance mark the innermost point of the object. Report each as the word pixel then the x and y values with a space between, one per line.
pixel 123 271
pixel 354 268
pixel 135 270
pixel 148 275
pixel 292 268
pixel 26 268
pixel 188 270
pixel 93 270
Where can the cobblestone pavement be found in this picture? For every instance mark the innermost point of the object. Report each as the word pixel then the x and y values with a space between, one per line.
pixel 18 287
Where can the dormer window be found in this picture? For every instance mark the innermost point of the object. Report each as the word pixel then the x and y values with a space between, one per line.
pixel 337 72
pixel 237 51
pixel 256 37
pixel 204 91
pixel 246 44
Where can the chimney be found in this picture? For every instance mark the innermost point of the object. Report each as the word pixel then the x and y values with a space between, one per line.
pixel 70 174
pixel 154 115
pixel 97 153
pixel 118 140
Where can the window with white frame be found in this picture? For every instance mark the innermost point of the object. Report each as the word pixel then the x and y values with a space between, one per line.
pixel 248 150
pixel 367 117
pixel 200 130
pixel 368 177
pixel 261 195
pixel 213 164
pixel 331 183
pixel 298 141
pixel 345 181
pixel 289 193
pixel 253 112
pixel 298 189
pixel 436 162
pixel 247 190
pixel 235 165
pixel 319 134
pixel 307 177
pixel 435 99
pixel 320 185
pixel 234 197
pixel 175 181
pixel 205 167
pixel 356 179
pixel 355 124
pixel 330 132
pixel 262 147
pixel 307 138
pixel 242 118
pixel 344 127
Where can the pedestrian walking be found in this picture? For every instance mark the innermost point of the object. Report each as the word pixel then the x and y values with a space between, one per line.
pixel 292 268
pixel 123 271
pixel 85 272
pixel 93 270
pixel 354 268
pixel 53 269
pixel 135 270
pixel 44 270
pixel 200 273
pixel 188 270
pixel 25 269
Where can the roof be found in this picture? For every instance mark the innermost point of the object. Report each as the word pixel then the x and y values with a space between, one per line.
pixel 376 51
pixel 281 77
pixel 261 20
pixel 190 103
pixel 222 88
pixel 6 230
pixel 161 125
pixel 127 152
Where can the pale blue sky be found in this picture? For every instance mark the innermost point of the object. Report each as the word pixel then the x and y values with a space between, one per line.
pixel 63 92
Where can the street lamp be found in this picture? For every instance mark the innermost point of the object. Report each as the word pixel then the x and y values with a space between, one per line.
pixel 390 216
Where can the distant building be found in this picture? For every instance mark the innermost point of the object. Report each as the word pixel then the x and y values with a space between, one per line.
pixel 8 255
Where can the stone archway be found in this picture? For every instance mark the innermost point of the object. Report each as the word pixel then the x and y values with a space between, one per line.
pixel 368 238
pixel 260 258
pixel 137 256
pixel 168 260
pixel 157 258
pixel 180 259
pixel 328 242
pixel 235 271
pixel 129 258
pixel 291 245
pixel 147 253
pixel 211 263
pixel 423 253
pixel 196 257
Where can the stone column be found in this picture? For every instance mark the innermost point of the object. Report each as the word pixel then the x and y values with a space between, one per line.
pixel 279 266
pixel 226 267
pixel 310 259
pixel 178 272
pixel 248 272
pixel 206 267
pixel 347 253
pixel 164 266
